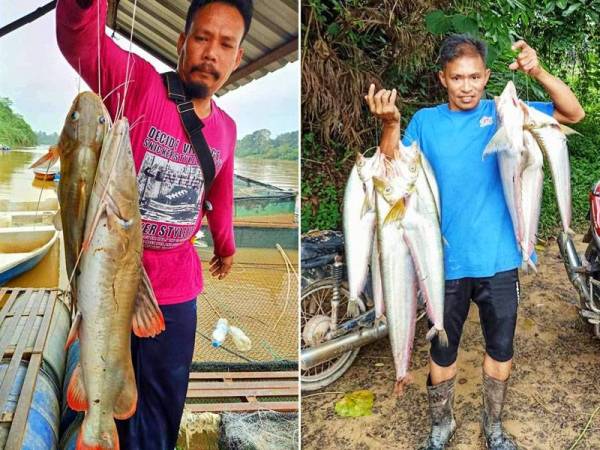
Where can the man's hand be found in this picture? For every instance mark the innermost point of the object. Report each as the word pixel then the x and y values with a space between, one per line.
pixel 527 60
pixel 220 266
pixel 383 105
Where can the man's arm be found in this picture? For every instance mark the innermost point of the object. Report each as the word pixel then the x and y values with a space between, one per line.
pixel 220 220
pixel 566 106
pixel 383 106
pixel 81 37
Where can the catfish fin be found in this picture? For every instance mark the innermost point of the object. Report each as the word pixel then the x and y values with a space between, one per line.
pixel 396 212
pixel 126 401
pixel 74 331
pixel 47 159
pixel 148 320
pixel 366 207
pixel 568 130
pixel 57 221
pixel 498 143
pixel 76 395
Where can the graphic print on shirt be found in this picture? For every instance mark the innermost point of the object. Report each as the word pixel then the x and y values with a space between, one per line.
pixel 170 185
pixel 169 191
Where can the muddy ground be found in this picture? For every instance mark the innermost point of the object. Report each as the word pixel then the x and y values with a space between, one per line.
pixel 551 397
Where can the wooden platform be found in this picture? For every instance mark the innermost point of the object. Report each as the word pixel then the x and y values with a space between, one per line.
pixel 243 391
pixel 24 326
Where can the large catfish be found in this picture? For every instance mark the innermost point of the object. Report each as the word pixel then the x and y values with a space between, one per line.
pixel 359 224
pixel 81 139
pixel 103 384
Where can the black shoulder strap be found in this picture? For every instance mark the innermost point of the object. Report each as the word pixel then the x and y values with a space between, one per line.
pixel 193 127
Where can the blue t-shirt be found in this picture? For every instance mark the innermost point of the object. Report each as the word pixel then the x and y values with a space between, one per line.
pixel 475 219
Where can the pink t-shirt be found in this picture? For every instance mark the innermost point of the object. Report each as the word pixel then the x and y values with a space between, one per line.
pixel 170 181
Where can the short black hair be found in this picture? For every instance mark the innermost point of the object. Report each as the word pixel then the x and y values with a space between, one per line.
pixel 456 45
pixel 245 7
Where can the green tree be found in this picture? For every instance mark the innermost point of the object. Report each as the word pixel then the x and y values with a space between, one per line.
pixel 14 131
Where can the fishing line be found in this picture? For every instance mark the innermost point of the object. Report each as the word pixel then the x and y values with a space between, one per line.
pixel 128 68
pixel 226 349
pixel 37 208
pixel 98 36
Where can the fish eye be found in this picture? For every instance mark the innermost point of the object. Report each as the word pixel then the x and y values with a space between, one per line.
pixel 102 120
pixel 388 190
pixel 75 115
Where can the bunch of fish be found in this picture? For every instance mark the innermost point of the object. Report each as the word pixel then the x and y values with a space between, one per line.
pixel 391 222
pixel 101 225
pixel 524 137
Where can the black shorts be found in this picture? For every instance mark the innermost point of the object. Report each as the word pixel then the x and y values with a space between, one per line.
pixel 497 298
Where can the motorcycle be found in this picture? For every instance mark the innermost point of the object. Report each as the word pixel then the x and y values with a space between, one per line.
pixel 584 269
pixel 330 338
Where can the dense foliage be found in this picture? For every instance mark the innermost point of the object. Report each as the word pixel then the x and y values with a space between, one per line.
pixel 349 44
pixel 14 131
pixel 260 145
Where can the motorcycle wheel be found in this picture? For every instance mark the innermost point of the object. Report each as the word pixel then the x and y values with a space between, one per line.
pixel 316 300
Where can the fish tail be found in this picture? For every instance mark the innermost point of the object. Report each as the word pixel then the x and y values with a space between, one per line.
pixel 443 337
pixel 353 309
pixel 401 384
pixel 532 265
pixel 108 438
pixel 570 231
pixel 440 333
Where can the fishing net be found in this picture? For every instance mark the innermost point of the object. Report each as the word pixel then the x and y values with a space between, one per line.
pixel 260 297
pixel 261 430
pixel 199 431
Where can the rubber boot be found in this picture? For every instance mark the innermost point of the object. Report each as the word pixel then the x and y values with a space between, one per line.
pixel 494 393
pixel 443 425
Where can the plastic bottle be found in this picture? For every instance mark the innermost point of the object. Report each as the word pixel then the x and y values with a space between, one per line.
pixel 220 333
pixel 241 341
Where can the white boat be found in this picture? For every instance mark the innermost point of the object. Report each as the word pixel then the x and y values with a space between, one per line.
pixel 22 248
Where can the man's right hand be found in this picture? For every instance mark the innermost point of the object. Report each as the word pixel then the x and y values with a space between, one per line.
pixel 383 105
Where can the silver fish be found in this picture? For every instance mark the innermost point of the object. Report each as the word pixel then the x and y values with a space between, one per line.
pixel 508 143
pixel 399 288
pixel 359 224
pixel 551 138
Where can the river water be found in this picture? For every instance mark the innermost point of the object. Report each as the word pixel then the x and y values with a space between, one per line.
pixel 17 183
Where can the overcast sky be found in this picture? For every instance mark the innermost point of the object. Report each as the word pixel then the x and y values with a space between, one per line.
pixel 41 85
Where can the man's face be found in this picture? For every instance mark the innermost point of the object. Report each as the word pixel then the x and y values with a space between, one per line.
pixel 465 78
pixel 211 51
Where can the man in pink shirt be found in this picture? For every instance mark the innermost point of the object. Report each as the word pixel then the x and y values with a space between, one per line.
pixel 170 181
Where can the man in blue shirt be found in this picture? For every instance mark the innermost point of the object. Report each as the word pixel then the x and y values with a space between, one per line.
pixel 481 256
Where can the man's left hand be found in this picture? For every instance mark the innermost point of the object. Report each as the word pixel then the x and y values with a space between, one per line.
pixel 527 60
pixel 220 266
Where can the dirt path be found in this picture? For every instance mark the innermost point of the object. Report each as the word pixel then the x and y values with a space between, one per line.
pixel 551 396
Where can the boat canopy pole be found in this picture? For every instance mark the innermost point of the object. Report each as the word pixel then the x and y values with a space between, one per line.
pixel 28 18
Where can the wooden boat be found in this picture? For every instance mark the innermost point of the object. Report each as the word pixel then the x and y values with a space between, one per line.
pixel 44 173
pixel 22 248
